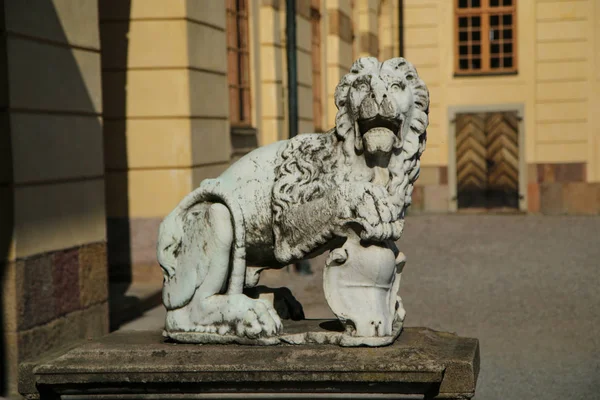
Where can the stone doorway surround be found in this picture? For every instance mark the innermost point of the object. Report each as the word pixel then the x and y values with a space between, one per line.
pixel 453 111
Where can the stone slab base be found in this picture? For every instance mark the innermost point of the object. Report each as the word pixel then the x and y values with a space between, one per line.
pixel 142 364
pixel 295 332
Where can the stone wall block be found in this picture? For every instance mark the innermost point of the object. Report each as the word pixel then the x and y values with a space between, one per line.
pixel 551 198
pixel 580 198
pixel 65 275
pixel 9 296
pixel 93 274
pixel 417 199
pixel 533 197
pixel 95 321
pixel 436 198
pixel 144 236
pixel 41 339
pixel 37 291
pixel 10 366
pixel 561 172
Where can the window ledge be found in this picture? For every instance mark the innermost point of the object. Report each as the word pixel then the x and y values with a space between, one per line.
pixel 484 74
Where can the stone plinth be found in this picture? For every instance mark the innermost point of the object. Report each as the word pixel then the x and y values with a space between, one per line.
pixel 422 363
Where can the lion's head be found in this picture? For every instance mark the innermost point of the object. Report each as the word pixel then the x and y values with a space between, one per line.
pixel 382 107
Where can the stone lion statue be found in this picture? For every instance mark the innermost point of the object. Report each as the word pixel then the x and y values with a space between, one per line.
pixel 294 199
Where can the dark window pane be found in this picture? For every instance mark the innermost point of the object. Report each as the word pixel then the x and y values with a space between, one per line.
pixel 463 4
pixel 494 3
pixel 476 50
pixel 463 50
pixel 476 21
pixel 475 3
pixel 507 48
pixel 476 35
pixel 494 20
pixel 507 2
pixel 507 19
pixel 463 36
pixel 495 62
pixel 507 34
pixel 476 63
pixel 463 22
pixel 508 62
pixel 463 64
pixel 495 49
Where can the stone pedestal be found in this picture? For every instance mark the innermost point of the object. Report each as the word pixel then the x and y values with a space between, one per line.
pixel 422 363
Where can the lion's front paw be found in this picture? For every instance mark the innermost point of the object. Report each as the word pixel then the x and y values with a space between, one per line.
pixel 254 317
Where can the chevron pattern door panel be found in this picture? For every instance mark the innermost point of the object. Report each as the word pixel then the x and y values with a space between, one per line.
pixel 487 160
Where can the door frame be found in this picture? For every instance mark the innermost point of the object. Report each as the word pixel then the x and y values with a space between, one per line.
pixel 519 108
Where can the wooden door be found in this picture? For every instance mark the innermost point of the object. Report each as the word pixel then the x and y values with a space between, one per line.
pixel 487 160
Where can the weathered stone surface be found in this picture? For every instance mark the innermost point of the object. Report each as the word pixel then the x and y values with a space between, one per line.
pixel 9 296
pixel 37 301
pixel 551 198
pixel 436 198
pixel 581 198
pixel 65 274
pixel 93 274
pixel 421 361
pixel 533 197
pixel 89 323
pixel 417 199
pixel 561 172
pixel 297 332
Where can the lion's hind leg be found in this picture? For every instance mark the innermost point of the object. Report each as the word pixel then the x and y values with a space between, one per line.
pixel 207 247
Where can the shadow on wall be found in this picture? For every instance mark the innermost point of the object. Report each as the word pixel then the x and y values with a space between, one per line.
pixel 48 119
pixel 6 196
pixel 114 44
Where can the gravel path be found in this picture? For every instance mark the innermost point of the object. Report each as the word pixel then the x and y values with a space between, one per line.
pixel 528 287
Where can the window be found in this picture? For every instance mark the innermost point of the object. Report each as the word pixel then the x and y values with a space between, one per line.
pixel 315 21
pixel 485 36
pixel 238 62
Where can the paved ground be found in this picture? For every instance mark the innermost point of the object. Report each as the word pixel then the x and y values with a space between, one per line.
pixel 527 287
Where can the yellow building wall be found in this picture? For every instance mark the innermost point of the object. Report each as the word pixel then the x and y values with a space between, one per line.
pixel 339 53
pixel 268 47
pixel 166 116
pixel 594 87
pixel 562 93
pixel 349 29
pixel 556 81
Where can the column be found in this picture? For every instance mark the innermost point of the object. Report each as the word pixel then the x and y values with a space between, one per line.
pixel 164 69
pixel 52 218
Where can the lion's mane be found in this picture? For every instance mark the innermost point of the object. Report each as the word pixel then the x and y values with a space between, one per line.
pixel 310 165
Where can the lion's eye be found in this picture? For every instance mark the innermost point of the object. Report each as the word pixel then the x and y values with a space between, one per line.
pixel 363 87
pixel 395 87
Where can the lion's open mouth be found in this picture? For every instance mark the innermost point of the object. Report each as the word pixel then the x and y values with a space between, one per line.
pixel 379 121
pixel 380 135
